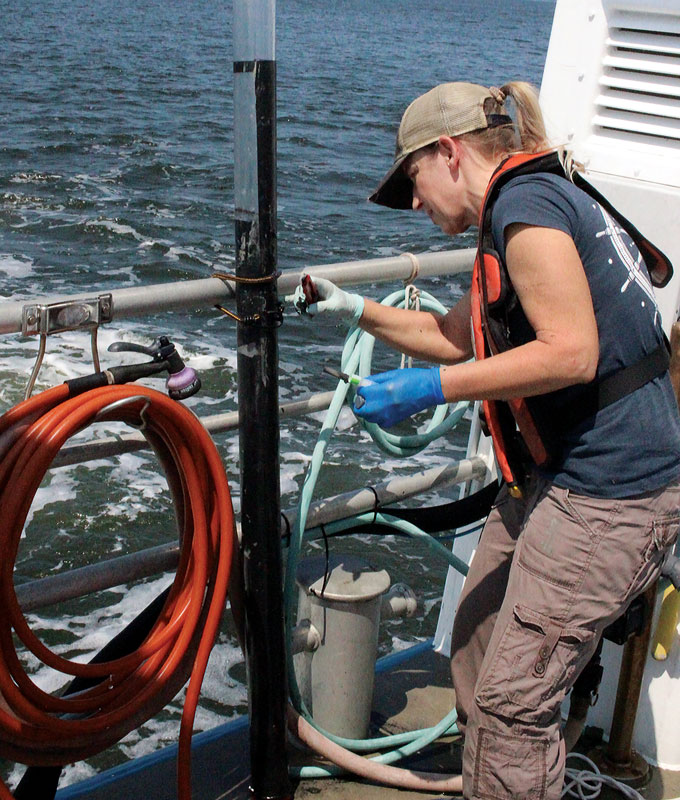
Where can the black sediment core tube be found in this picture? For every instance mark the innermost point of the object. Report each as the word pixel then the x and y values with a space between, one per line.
pixel 258 309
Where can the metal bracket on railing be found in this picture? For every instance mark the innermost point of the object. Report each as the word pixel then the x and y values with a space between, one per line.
pixel 70 315
pixel 66 316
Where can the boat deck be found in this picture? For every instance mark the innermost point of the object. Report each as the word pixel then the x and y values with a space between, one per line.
pixel 414 694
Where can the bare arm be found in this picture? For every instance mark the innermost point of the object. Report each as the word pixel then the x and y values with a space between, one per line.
pixel 443 339
pixel 548 275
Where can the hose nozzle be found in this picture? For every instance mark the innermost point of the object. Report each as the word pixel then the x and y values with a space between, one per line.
pixel 182 381
pixel 353 380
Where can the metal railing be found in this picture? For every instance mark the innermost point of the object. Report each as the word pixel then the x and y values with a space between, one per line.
pixel 163 558
pixel 206 292
pixel 189 294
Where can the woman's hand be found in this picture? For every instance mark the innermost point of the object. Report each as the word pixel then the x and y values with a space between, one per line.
pixel 320 296
pixel 390 397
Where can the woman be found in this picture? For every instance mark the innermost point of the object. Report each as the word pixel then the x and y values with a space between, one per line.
pixel 569 349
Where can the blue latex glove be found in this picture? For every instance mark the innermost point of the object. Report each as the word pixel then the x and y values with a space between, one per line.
pixel 392 396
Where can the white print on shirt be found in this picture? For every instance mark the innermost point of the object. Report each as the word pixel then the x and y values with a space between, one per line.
pixel 635 267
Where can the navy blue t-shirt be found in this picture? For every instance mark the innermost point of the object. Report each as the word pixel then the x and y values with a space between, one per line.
pixel 633 445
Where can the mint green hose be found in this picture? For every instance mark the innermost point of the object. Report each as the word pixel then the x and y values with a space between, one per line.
pixel 356 359
pixel 360 342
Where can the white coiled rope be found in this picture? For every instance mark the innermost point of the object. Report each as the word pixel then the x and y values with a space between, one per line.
pixel 586 784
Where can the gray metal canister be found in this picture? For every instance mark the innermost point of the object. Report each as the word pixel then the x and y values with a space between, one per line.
pixel 341 598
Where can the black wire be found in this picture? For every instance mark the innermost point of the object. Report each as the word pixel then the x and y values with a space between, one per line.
pixel 443 517
pixel 286 535
pixel 376 504
pixel 327 574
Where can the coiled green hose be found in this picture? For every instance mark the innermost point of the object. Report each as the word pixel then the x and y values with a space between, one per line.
pixel 356 358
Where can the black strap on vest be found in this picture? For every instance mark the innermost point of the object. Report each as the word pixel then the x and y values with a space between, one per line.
pixel 603 393
pixel 651 254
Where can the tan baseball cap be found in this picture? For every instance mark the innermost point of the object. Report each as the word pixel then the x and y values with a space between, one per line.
pixel 449 109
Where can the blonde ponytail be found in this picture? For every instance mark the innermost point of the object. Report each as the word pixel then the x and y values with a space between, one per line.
pixel 529 119
pixel 525 135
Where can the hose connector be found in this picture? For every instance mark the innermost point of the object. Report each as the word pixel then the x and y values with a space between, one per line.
pixel 400 601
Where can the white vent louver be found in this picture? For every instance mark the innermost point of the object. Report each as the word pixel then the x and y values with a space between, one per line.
pixel 639 99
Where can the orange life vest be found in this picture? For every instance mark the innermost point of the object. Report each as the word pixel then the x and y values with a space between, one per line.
pixel 518 433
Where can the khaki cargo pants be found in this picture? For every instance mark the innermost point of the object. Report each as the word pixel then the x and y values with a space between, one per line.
pixel 552 571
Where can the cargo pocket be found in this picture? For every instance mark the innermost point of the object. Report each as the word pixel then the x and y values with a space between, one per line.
pixel 662 536
pixel 535 665
pixel 509 767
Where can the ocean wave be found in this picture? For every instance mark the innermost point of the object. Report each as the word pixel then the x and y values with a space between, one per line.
pixel 34 177
pixel 146 175
pixel 16 266
pixel 120 229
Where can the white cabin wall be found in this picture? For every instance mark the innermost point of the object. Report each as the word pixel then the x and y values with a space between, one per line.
pixel 611 93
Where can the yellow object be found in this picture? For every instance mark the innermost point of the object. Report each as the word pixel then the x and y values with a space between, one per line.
pixel 666 627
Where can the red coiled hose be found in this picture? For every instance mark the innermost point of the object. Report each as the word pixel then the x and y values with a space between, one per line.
pixel 38 728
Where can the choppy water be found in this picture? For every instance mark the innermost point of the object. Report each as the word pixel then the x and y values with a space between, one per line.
pixel 116 170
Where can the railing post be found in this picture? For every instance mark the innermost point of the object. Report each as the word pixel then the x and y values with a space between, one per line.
pixel 258 309
pixel 617 758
